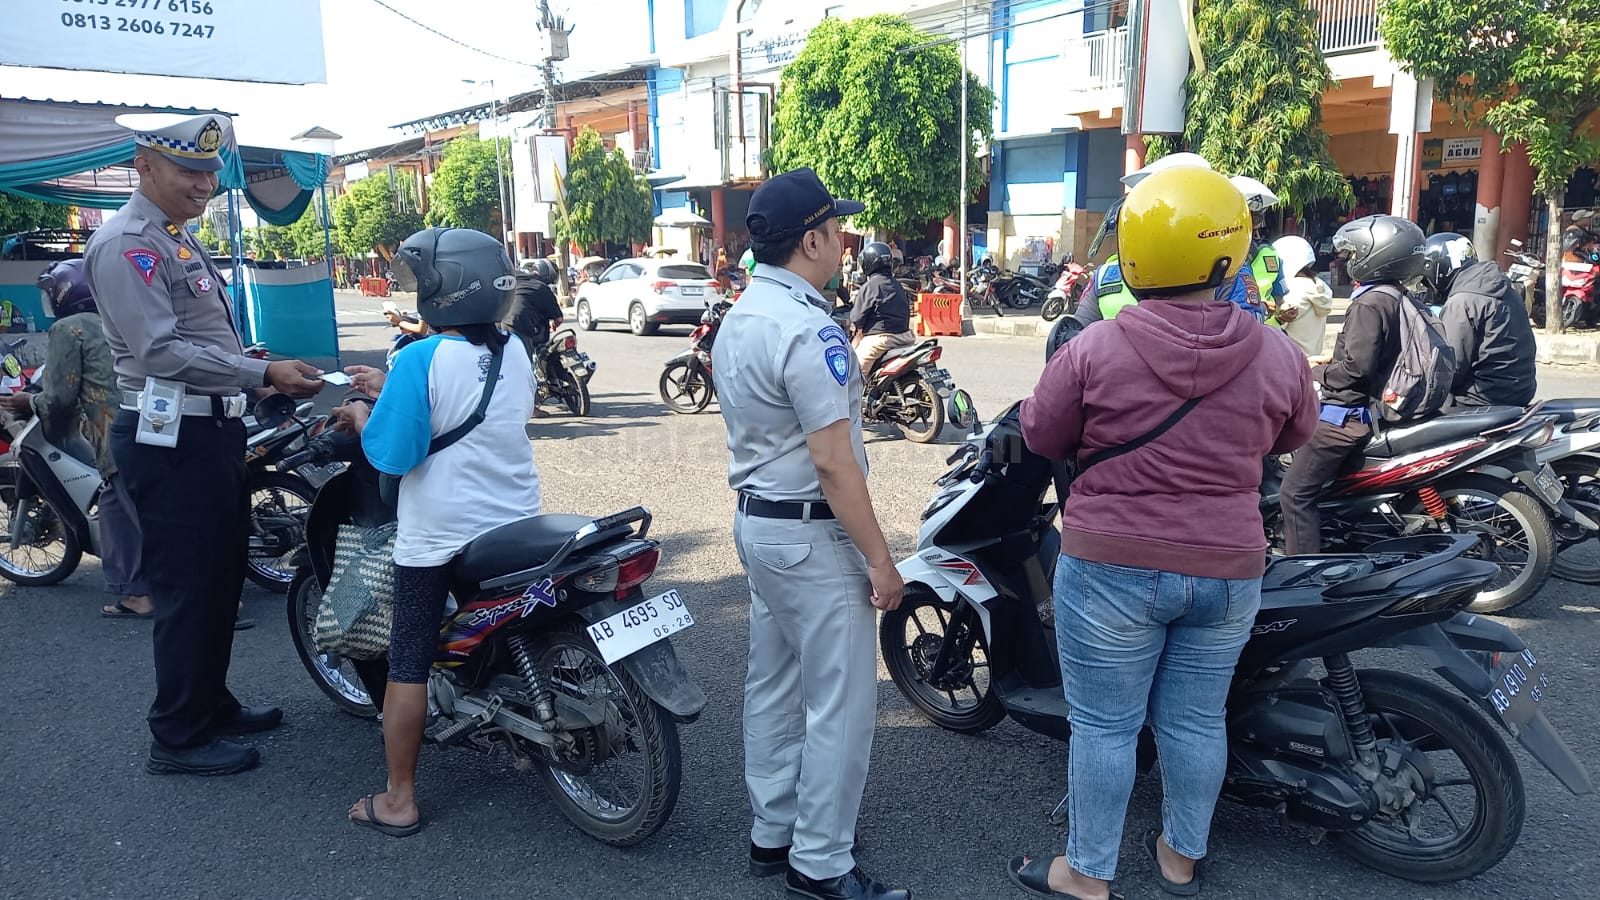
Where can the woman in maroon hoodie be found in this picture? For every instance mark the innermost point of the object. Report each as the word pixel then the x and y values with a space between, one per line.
pixel 1162 547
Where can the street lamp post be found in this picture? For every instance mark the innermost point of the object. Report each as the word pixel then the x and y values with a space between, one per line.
pixel 499 173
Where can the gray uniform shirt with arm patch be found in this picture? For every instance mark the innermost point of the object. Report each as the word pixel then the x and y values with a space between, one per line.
pixel 783 370
pixel 163 305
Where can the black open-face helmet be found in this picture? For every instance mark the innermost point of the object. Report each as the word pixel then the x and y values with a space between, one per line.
pixel 876 257
pixel 1447 254
pixel 66 289
pixel 461 276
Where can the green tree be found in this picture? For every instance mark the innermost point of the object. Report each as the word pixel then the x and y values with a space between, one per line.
pixel 466 189
pixel 210 239
pixel 877 113
pixel 1529 69
pixel 27 214
pixel 1256 109
pixel 367 218
pixel 603 199
pixel 303 237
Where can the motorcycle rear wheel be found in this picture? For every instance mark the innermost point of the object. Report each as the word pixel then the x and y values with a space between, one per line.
pixel 1579 560
pixel 334 675
pixel 572 391
pixel 1019 299
pixel 1518 526
pixel 919 403
pixel 37 562
pixel 1407 710
pixel 685 389
pixel 909 637
pixel 570 661
pixel 280 496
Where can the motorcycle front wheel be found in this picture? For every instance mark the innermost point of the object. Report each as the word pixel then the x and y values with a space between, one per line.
pixel 279 504
pixel 1019 299
pixel 1519 537
pixel 684 388
pixel 619 787
pixel 1053 307
pixel 36 547
pixel 1470 811
pixel 959 699
pixel 1578 549
pixel 920 414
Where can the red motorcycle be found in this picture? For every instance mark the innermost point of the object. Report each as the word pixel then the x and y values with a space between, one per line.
pixel 1070 285
pixel 1580 271
pixel 686 381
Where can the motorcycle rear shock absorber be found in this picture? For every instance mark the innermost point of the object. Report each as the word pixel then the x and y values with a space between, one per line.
pixel 1352 706
pixel 544 707
pixel 1435 506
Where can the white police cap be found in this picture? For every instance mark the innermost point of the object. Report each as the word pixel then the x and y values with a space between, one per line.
pixel 190 141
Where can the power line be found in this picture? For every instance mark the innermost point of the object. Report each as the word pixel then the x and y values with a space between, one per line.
pixel 426 27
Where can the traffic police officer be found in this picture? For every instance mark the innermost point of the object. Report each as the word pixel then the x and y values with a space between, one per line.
pixel 816 559
pixel 179 441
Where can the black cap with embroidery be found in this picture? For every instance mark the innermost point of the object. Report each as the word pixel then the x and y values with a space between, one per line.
pixel 792 203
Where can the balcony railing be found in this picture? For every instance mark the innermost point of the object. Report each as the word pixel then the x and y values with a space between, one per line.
pixel 1347 26
pixel 1097 61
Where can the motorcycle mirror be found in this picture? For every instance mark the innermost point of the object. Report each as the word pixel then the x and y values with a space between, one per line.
pixel 274 410
pixel 962 413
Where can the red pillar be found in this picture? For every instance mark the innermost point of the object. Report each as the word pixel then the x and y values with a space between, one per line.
pixel 719 229
pixel 953 248
pixel 1516 197
pixel 1133 154
pixel 1486 215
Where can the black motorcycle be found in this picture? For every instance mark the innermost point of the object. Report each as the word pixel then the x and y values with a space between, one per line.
pixel 1401 773
pixel 907 389
pixel 685 384
pixel 552 654
pixel 280 495
pixel 564 372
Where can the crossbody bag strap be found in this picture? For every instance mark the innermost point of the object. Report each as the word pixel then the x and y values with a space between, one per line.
pixel 476 417
pixel 1100 456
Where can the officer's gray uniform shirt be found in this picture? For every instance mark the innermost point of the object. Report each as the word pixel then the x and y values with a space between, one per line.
pixel 784 369
pixel 164 305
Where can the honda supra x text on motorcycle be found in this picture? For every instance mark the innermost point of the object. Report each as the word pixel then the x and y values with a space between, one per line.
pixel 685 384
pixel 564 372
pixel 1401 773
pixel 551 652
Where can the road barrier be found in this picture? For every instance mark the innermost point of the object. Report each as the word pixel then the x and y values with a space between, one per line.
pixel 374 287
pixel 938 314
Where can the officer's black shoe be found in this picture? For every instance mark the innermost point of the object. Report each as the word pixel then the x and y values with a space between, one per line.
pixel 248 720
pixel 852 885
pixel 218 757
pixel 766 862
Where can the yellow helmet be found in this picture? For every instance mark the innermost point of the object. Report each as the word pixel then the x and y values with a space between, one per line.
pixel 1180 230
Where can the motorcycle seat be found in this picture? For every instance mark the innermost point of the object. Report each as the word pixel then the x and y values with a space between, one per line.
pixel 896 353
pixel 524 544
pixel 1571 409
pixel 1410 438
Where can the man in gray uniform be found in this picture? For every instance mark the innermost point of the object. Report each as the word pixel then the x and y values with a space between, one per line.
pixel 790 390
pixel 178 441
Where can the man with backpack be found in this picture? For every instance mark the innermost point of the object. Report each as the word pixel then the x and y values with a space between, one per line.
pixel 1390 360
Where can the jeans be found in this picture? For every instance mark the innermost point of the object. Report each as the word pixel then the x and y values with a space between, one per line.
pixel 1138 644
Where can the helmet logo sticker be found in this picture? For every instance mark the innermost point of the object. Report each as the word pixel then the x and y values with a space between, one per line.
pixel 505 282
pixel 453 297
pixel 1220 232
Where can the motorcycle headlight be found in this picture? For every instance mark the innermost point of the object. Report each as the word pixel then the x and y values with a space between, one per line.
pixel 940 501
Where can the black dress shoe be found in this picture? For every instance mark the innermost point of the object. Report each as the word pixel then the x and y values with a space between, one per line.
pixel 247 720
pixel 218 757
pixel 766 862
pixel 852 885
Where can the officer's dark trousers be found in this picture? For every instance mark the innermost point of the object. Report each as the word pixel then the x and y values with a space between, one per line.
pixel 194 511
pixel 1314 465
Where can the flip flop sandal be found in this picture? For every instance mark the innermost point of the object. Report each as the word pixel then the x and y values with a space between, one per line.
pixel 243 624
pixel 1188 888
pixel 376 824
pixel 1032 874
pixel 120 610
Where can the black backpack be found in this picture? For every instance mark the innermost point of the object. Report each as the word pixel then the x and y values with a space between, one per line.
pixel 1419 384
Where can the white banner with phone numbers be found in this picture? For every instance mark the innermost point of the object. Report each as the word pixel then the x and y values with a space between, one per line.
pixel 277 42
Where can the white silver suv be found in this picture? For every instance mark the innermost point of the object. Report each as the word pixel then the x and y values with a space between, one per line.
pixel 646 294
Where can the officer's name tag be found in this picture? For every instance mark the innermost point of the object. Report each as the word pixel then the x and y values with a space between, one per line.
pixel 637 627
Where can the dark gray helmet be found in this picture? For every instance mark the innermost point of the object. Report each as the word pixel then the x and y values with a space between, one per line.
pixel 1447 254
pixel 542 269
pixel 876 257
pixel 461 276
pixel 1381 248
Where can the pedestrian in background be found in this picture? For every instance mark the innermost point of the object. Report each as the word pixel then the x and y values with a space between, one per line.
pixel 1304 310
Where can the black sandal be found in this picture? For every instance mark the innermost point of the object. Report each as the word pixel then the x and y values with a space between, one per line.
pixel 120 610
pixel 1032 874
pixel 372 821
pixel 1188 888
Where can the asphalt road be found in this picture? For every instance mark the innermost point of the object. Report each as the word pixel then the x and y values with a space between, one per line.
pixel 79 817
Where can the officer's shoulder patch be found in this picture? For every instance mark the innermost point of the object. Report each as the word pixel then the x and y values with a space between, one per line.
pixel 144 262
pixel 1272 262
pixel 834 333
pixel 838 359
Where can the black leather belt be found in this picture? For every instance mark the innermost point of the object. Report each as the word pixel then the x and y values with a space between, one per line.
pixel 784 509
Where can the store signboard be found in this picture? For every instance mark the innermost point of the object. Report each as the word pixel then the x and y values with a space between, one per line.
pixel 1457 150
pixel 1433 153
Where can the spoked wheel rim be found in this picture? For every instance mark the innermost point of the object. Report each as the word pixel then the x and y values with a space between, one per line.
pixel 42 547
pixel 919 409
pixel 1578 554
pixel 1509 544
pixel 284 513
pixel 684 388
pixel 1448 812
pixel 335 671
pixel 965 685
pixel 617 779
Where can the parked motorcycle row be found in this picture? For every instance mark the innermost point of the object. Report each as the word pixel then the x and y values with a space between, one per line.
pixel 1580 274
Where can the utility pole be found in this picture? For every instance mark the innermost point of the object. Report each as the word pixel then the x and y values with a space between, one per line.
pixel 547 22
pixel 961 193
pixel 507 230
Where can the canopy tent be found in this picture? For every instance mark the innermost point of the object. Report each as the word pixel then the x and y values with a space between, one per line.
pixel 76 153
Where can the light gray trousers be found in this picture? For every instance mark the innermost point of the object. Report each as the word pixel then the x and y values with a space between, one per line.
pixel 811 693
